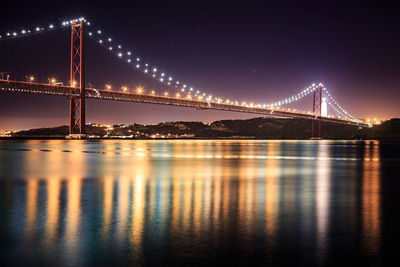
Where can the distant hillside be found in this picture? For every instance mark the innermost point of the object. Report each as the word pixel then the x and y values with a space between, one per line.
pixel 262 128
pixel 388 130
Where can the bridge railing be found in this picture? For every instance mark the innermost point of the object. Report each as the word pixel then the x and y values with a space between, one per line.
pixel 59 90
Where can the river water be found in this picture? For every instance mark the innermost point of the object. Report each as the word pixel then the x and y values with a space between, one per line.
pixel 198 202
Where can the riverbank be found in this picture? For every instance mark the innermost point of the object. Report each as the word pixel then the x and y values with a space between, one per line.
pixel 257 128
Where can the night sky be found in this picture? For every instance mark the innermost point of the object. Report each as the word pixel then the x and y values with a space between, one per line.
pixel 253 51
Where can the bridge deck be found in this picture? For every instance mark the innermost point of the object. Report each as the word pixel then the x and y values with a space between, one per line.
pixel 55 90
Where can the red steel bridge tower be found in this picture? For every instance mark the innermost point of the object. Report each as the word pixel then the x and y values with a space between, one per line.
pixel 77 79
pixel 317 108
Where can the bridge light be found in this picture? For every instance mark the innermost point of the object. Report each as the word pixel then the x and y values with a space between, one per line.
pixel 154 69
pixel 99 32
pixel 23 31
pixel 129 53
pixel 145 71
pixel 90 33
pixel 170 78
pixel 162 74
pixel 51 26
pixel 52 80
pixel 124 89
pixel 129 60
pixel 120 54
pixel 161 79
pixel 109 39
pixel 137 66
pixel 165 93
pixel 31 78
pixel 119 46
pixel 178 95
pixel 101 41
pixel 139 89
pixel 108 86
pixel 137 59
pixel 14 33
pixel 153 92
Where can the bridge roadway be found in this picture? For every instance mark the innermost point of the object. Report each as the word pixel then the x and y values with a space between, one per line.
pixel 56 90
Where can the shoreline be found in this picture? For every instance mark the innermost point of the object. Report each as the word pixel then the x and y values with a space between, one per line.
pixel 191 138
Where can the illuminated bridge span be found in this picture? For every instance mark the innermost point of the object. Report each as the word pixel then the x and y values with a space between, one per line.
pixel 185 96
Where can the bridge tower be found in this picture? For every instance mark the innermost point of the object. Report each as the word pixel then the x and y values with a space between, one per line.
pixel 317 112
pixel 77 79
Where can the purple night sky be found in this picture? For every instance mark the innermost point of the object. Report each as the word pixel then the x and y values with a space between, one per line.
pixel 246 51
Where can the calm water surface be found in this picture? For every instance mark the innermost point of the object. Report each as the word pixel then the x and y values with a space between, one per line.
pixel 74 203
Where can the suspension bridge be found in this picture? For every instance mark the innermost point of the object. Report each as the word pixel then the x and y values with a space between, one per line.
pixel 183 95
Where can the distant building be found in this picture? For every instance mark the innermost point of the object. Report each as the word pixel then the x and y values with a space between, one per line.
pixel 324 108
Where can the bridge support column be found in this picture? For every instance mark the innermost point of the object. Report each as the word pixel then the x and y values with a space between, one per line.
pixel 317 108
pixel 77 79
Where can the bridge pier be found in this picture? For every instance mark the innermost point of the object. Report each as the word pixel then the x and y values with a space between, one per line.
pixel 77 78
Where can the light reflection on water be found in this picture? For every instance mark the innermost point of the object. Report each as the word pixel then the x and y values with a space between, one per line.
pixel 156 202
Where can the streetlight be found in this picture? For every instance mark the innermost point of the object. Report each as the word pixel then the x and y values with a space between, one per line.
pixel 29 78
pixel 52 80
